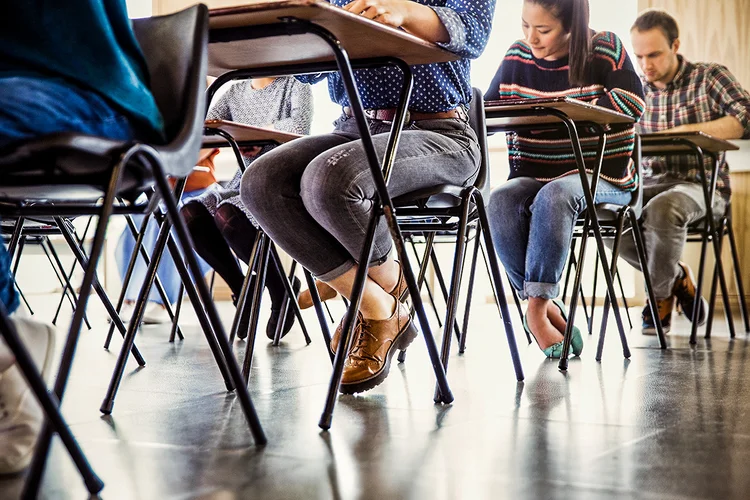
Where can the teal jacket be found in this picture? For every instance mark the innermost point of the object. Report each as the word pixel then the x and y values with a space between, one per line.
pixel 89 43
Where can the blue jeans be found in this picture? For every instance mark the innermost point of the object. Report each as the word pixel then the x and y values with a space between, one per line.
pixel 31 107
pixel 532 224
pixel 167 271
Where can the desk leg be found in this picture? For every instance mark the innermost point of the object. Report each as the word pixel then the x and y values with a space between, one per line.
pixel 594 224
pixel 708 197
pixel 380 178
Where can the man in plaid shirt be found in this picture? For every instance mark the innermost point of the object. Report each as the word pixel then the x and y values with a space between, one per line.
pixel 681 97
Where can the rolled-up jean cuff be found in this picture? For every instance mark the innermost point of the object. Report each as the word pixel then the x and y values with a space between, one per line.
pixel 541 290
pixel 337 271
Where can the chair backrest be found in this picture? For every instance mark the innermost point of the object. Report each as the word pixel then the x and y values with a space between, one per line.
pixel 478 123
pixel 176 50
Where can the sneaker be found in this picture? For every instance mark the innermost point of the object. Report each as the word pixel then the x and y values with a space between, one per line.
pixel 664 307
pixel 155 314
pixel 684 290
pixel 21 417
pixel 288 320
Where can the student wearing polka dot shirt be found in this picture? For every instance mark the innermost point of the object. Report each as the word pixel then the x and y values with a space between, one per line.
pixel 314 196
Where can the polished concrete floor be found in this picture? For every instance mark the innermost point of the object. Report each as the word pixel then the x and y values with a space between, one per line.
pixel 662 425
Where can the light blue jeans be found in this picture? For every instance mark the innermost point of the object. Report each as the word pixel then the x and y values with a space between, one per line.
pixel 532 225
pixel 167 271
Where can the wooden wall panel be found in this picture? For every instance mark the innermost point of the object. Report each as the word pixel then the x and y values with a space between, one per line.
pixel 712 30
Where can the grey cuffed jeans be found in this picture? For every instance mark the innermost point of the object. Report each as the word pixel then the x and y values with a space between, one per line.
pixel 667 212
pixel 314 196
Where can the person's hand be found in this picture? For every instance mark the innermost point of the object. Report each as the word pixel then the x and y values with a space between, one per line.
pixel 250 151
pixel 391 12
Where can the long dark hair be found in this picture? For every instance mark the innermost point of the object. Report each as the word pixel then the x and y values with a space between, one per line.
pixel 574 15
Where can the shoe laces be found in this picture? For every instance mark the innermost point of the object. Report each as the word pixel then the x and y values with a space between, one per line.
pixel 361 341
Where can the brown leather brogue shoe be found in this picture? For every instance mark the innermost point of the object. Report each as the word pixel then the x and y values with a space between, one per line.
pixel 400 292
pixel 374 344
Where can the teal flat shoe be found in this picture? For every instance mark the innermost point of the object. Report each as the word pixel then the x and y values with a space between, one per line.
pixel 576 342
pixel 553 351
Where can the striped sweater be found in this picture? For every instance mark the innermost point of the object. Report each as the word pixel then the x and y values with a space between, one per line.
pixel 612 83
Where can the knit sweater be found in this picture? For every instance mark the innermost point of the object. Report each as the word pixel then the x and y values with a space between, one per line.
pixel 612 84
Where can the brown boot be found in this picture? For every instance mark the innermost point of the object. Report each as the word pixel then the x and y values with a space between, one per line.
pixel 374 344
pixel 325 291
pixel 400 292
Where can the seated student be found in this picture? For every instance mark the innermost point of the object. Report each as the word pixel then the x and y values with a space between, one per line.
pixel 314 196
pixel 72 67
pixel 532 215
pixel 681 96
pixel 217 220
pixel 156 312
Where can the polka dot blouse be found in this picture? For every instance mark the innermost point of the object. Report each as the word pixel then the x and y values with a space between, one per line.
pixel 437 87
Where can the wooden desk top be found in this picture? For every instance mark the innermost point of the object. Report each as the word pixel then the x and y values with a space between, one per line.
pixel 361 37
pixel 659 143
pixel 244 133
pixel 496 113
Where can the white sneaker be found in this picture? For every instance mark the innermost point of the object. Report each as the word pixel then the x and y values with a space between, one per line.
pixel 155 314
pixel 21 417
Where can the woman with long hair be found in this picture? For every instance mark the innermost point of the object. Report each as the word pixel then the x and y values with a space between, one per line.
pixel 533 214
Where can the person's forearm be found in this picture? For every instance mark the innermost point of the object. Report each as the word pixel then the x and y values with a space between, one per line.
pixel 727 127
pixel 423 22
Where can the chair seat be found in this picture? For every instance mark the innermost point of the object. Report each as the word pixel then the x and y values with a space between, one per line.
pixel 73 166
pixel 442 196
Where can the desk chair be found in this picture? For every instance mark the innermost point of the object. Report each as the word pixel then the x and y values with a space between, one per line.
pixel 69 166
pixel 617 220
pixel 443 204
pixel 698 232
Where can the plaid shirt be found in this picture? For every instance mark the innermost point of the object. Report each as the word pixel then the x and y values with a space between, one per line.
pixel 699 92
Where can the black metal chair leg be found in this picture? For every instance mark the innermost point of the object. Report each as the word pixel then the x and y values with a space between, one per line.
pixel 714 284
pixel 498 285
pixel 218 335
pixel 453 296
pixel 624 298
pixel 242 309
pixel 738 275
pixel 290 300
pixel 640 247
pixel 571 265
pixel 443 288
pixel 175 322
pixel 319 312
pixel 699 284
pixel 36 470
pixel 470 290
pixel 68 289
pixel 260 282
pixel 422 263
pixel 84 261
pixel 50 404
pixel 590 321
pixel 615 256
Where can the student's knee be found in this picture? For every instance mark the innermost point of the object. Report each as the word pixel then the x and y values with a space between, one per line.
pixel 331 182
pixel 259 185
pixel 671 210
pixel 559 196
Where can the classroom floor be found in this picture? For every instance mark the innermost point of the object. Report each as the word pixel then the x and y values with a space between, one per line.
pixel 662 425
